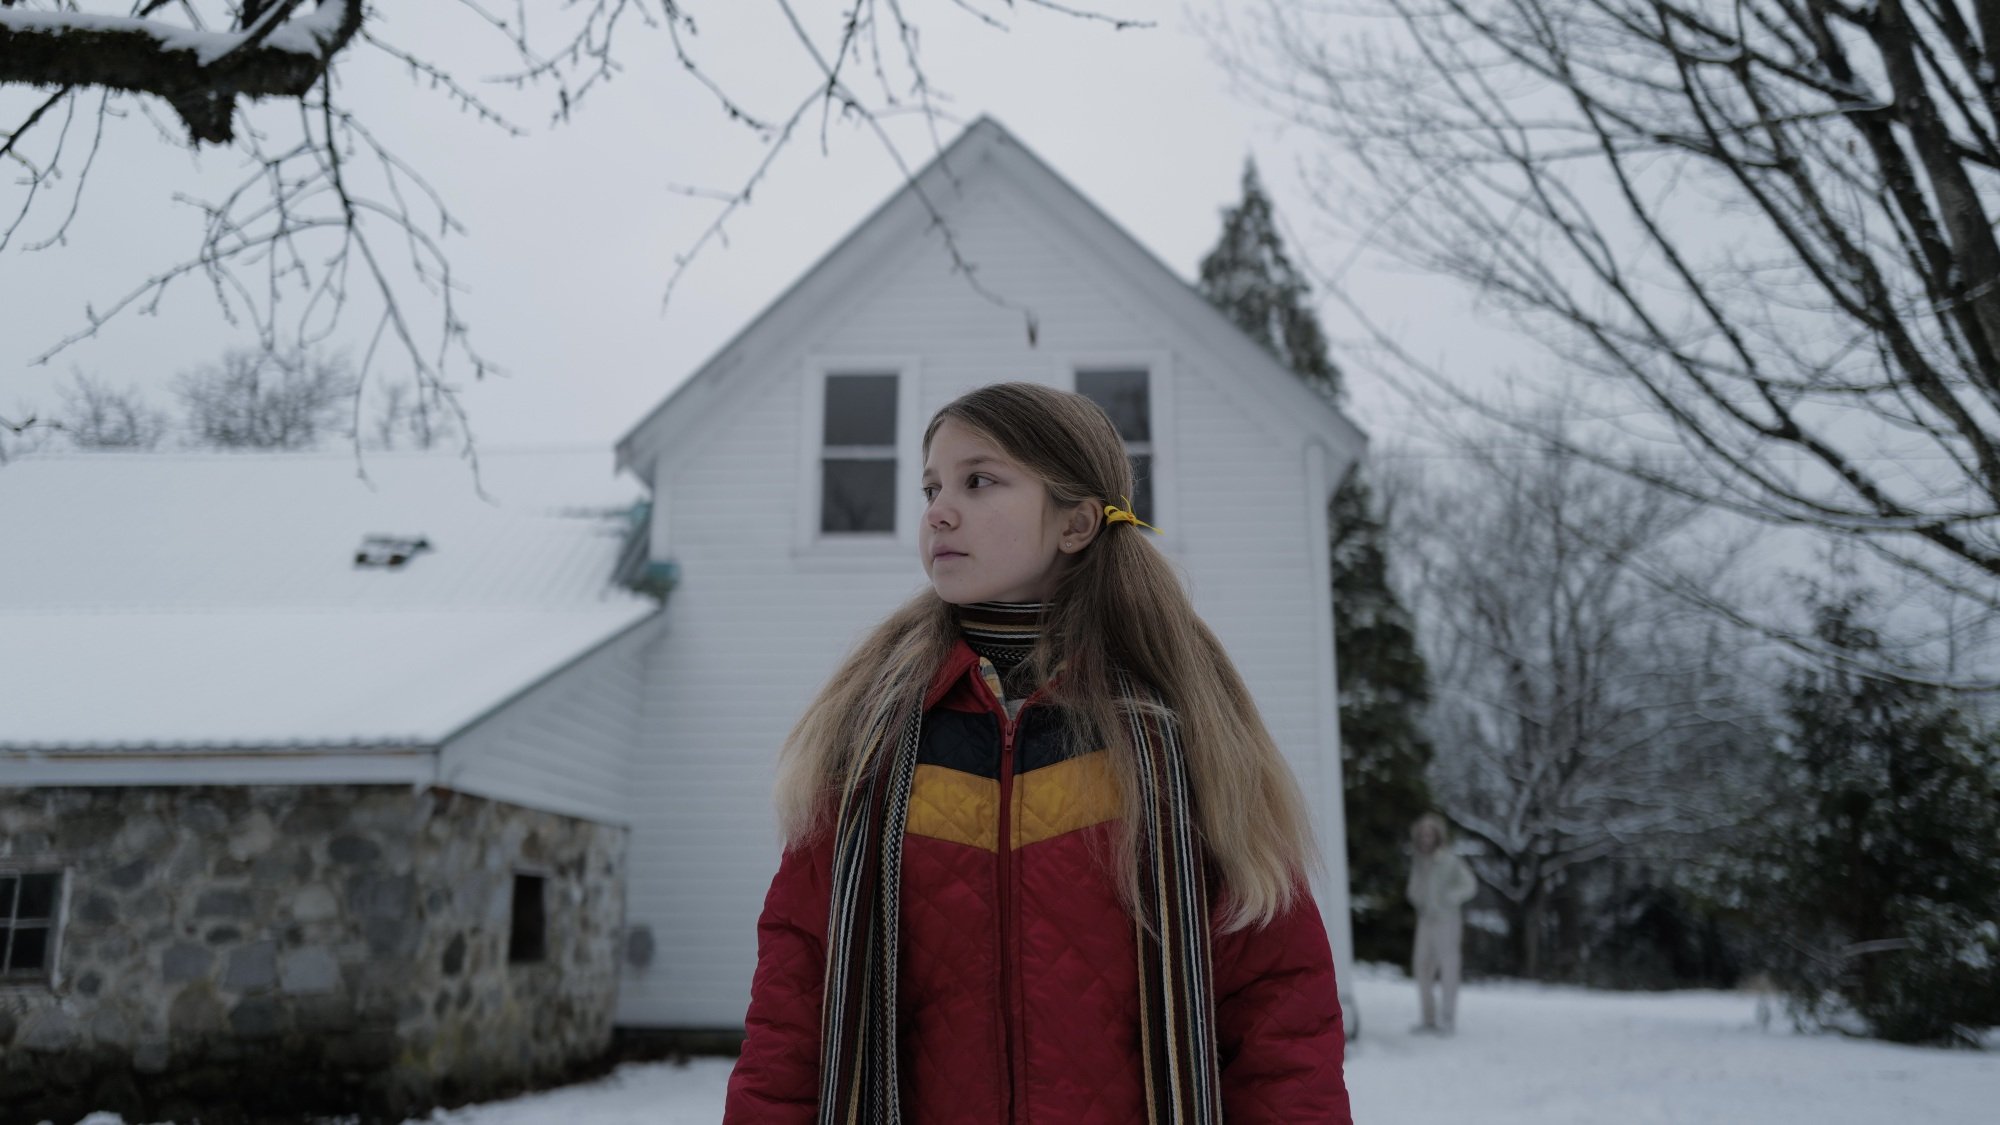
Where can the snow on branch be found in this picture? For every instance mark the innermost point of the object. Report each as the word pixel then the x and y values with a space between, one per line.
pixel 200 73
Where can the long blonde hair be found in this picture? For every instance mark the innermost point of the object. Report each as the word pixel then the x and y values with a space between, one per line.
pixel 1116 604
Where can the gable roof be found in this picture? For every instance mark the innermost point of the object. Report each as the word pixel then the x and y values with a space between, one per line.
pixel 215 599
pixel 986 148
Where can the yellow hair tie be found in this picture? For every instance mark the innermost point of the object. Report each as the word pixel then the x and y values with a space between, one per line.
pixel 1115 514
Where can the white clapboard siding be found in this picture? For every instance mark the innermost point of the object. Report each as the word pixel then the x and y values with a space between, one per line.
pixel 751 633
pixel 565 744
pixel 763 613
pixel 1255 564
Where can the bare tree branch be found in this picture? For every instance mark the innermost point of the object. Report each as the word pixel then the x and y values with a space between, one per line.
pixel 201 74
pixel 327 221
pixel 1777 239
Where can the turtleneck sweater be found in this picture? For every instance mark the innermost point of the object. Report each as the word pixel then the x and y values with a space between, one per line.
pixel 1004 633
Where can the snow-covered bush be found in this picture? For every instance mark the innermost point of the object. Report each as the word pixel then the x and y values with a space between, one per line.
pixel 1946 984
pixel 1876 882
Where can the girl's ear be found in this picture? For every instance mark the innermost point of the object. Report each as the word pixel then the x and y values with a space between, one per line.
pixel 1080 524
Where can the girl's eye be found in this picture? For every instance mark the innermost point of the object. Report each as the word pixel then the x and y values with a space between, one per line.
pixel 930 491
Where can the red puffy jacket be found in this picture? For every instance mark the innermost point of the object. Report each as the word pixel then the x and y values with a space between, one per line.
pixel 1017 995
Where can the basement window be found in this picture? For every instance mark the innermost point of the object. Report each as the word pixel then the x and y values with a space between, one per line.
pixel 528 940
pixel 28 924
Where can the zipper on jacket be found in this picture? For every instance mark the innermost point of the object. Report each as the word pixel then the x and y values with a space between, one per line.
pixel 1005 849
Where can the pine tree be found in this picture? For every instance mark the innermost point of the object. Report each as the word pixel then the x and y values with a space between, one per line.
pixel 1249 277
pixel 1384 686
pixel 1383 681
pixel 1881 864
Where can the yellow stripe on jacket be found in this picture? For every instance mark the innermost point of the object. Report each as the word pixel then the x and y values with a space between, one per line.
pixel 948 804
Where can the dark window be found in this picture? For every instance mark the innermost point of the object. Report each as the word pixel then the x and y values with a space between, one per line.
pixel 1125 394
pixel 27 922
pixel 857 495
pixel 858 455
pixel 529 939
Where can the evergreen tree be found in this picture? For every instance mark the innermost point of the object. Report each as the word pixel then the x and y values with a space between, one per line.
pixel 1249 277
pixel 1383 682
pixel 1384 686
pixel 1881 861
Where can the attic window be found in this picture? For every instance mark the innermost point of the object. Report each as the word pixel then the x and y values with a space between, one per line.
pixel 1125 394
pixel 387 552
pixel 858 454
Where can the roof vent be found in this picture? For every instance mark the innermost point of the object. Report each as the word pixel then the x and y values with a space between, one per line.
pixel 387 552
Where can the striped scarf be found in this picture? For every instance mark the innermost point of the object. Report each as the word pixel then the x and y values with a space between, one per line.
pixel 858 1048
pixel 1004 633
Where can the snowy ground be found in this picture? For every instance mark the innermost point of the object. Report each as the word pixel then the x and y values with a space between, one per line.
pixel 1524 1055
pixel 1556 1056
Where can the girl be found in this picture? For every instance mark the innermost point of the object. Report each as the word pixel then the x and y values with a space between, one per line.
pixel 1043 862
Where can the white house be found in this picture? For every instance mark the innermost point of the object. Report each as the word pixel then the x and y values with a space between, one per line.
pixel 407 782
pixel 783 475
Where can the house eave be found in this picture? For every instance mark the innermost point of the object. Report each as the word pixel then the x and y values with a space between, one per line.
pixel 1289 405
pixel 1303 409
pixel 974 141
pixel 365 762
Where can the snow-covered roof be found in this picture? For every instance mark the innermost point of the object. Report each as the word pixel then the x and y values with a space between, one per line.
pixel 202 600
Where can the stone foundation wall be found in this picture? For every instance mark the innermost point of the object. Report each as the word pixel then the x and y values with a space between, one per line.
pixel 278 948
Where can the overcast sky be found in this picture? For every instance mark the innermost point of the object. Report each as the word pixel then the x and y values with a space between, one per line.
pixel 572 231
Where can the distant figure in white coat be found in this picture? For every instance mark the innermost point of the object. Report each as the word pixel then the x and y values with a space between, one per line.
pixel 1440 885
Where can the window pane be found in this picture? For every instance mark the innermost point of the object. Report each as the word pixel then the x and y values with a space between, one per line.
pixel 857 495
pixel 31 949
pixel 528 940
pixel 38 898
pixel 1123 395
pixel 861 410
pixel 6 935
pixel 7 885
